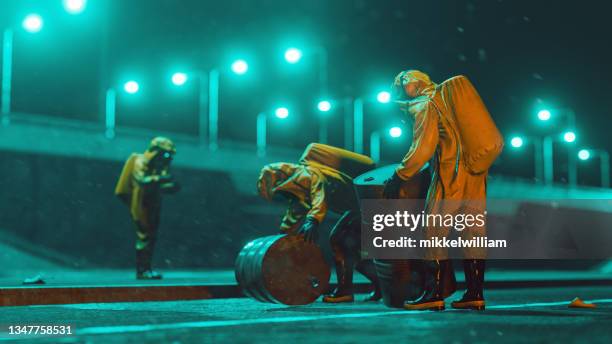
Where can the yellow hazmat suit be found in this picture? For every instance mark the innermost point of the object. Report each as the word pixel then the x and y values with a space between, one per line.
pixel 457 180
pixel 143 179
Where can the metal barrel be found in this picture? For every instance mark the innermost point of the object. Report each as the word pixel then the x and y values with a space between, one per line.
pixel 400 280
pixel 282 269
pixel 403 280
pixel 370 185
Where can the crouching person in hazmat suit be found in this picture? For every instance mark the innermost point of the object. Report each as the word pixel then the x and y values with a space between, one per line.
pixel 145 177
pixel 453 128
pixel 322 182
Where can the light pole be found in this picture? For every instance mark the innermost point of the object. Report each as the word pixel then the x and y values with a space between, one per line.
pixel 130 87
pixel 383 97
pixel 518 142
pixel 375 142
pixel 208 100
pixel 547 152
pixel 604 163
pixel 547 114
pixel 294 55
pixel 32 23
pixel 324 106
pixel 262 127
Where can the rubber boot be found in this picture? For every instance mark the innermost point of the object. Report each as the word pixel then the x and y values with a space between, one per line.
pixel 344 291
pixel 473 297
pixel 143 265
pixel 432 298
pixel 368 269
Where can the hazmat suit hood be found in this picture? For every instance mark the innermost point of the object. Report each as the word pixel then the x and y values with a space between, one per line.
pixel 412 86
pixel 278 177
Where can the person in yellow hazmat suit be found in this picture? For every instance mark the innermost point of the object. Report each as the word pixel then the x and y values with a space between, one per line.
pixel 311 189
pixel 144 178
pixel 453 128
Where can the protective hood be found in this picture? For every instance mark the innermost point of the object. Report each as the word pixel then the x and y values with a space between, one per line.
pixel 278 177
pixel 412 84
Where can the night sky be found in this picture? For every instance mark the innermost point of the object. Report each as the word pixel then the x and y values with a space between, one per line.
pixel 521 55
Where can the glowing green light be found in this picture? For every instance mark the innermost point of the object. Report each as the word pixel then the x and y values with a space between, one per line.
pixel 516 142
pixel 544 115
pixel 383 97
pixel 131 87
pixel 293 55
pixel 395 132
pixel 281 112
pixel 240 67
pixel 32 23
pixel 324 106
pixel 569 136
pixel 584 154
pixel 74 6
pixel 179 79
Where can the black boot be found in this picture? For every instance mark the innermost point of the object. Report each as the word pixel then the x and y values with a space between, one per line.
pixel 432 298
pixel 143 266
pixel 368 269
pixel 473 297
pixel 344 290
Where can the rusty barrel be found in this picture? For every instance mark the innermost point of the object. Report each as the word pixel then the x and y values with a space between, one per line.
pixel 282 269
pixel 400 279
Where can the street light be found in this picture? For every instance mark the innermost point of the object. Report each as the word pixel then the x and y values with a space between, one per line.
pixel 240 67
pixel 110 111
pixel 324 106
pixel 544 115
pixel 281 112
pixel 32 23
pixel 375 141
pixel 179 78
pixel 604 163
pixel 293 55
pixel 395 132
pixel 262 124
pixel 74 6
pixel 570 136
pixel 517 142
pixel 131 87
pixel 383 97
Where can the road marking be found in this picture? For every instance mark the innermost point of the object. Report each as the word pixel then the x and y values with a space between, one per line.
pixel 225 323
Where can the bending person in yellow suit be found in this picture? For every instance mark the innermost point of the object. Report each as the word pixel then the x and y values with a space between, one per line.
pixel 143 180
pixel 462 145
pixel 311 190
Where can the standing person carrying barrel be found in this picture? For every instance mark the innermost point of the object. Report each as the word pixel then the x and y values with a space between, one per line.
pixel 453 128
pixel 322 182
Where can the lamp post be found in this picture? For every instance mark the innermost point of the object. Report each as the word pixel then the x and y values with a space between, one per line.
pixel 110 111
pixel 604 163
pixel 262 128
pixel 547 152
pixel 208 100
pixel 518 142
pixel 546 115
pixel 383 97
pixel 375 142
pixel 294 55
pixel 32 23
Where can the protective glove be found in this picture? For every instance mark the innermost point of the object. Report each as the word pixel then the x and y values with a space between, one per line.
pixel 310 229
pixel 392 187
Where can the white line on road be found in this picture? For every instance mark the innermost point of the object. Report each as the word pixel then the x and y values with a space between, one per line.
pixel 277 320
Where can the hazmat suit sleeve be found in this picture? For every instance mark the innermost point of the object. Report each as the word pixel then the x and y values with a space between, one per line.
pixel 424 141
pixel 294 214
pixel 318 208
pixel 123 190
